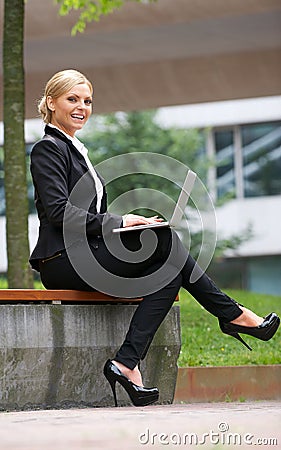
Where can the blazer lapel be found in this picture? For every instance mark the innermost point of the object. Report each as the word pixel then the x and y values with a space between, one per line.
pixel 56 133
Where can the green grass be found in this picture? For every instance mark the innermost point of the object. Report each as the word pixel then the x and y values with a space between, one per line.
pixel 4 284
pixel 203 344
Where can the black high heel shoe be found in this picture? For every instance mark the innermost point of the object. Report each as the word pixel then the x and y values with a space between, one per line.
pixel 140 396
pixel 265 331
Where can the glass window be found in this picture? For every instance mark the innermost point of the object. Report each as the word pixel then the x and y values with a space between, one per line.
pixel 261 159
pixel 224 146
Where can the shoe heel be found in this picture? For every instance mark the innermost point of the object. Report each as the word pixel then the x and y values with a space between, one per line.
pixel 113 387
pixel 139 395
pixel 237 336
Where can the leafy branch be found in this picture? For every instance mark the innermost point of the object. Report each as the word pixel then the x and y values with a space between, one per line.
pixel 91 10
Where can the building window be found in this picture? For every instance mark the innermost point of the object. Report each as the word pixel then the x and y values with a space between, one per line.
pixel 225 175
pixel 248 160
pixel 261 147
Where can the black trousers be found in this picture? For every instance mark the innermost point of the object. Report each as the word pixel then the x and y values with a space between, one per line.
pixel 58 273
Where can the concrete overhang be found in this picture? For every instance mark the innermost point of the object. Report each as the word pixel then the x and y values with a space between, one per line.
pixel 172 52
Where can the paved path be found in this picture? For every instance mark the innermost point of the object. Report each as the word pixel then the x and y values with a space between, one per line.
pixel 213 425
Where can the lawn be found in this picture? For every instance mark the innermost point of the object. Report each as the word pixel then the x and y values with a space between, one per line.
pixel 203 344
pixel 4 284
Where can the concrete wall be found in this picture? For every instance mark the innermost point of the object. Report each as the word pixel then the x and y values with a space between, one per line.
pixel 53 355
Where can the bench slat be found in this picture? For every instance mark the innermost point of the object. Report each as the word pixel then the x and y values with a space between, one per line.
pixel 60 295
pixel 57 296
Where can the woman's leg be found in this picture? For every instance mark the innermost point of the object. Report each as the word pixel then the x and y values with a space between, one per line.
pixel 208 294
pixel 218 303
pixel 147 318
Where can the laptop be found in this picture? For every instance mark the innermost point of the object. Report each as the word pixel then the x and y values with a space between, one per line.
pixel 178 211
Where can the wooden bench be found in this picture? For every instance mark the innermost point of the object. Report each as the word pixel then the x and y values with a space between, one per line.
pixel 58 296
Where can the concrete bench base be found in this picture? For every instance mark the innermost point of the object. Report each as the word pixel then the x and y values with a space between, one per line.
pixel 52 356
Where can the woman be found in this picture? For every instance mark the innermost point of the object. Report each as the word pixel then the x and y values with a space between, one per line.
pixel 58 162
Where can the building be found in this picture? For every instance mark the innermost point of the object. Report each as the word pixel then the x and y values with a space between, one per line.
pixel 244 138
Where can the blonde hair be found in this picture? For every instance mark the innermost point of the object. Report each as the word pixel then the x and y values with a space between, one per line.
pixel 59 84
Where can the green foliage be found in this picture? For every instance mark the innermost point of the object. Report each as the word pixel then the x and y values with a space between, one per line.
pixel 203 344
pixel 91 10
pixel 138 131
pixel 233 241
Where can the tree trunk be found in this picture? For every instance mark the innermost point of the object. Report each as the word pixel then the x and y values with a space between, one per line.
pixel 19 273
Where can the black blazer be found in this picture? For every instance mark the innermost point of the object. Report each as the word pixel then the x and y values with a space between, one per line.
pixel 56 167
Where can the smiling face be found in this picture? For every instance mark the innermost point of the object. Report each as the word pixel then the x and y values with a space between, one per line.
pixel 71 110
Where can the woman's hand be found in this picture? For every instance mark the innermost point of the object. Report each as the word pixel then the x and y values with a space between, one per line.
pixel 130 220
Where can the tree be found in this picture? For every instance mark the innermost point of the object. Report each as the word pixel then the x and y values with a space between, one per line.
pixel 19 273
pixel 138 131
pixel 91 10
